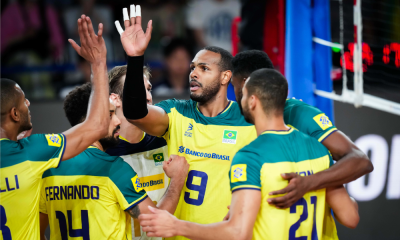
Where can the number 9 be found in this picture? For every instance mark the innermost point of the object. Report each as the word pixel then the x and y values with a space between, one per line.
pixel 199 188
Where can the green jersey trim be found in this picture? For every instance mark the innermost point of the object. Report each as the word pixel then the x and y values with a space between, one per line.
pixel 323 137
pixel 136 202
pixel 279 132
pixel 246 187
pixel 5 139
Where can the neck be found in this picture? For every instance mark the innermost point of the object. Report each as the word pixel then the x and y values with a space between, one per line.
pixel 129 131
pixel 98 145
pixel 9 133
pixel 215 105
pixel 271 122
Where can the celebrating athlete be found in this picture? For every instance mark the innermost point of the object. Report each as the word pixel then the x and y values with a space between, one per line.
pixel 96 189
pixel 352 163
pixel 256 171
pixel 23 162
pixel 143 152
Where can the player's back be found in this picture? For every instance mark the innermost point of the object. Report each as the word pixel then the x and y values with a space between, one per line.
pixel 87 197
pixel 259 166
pixel 22 164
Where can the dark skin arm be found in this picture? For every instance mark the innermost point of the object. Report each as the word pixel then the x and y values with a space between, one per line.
pixel 351 164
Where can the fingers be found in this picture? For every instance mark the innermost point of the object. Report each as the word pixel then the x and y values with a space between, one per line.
pixel 90 28
pixel 146 217
pixel 126 18
pixel 138 15
pixel 287 189
pixel 81 34
pixel 119 28
pixel 149 30
pixel 153 210
pixel 86 30
pixel 75 46
pixel 100 32
pixel 133 14
pixel 288 176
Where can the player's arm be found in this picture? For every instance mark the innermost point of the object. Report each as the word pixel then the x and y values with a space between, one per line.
pixel 344 207
pixel 176 169
pixel 151 119
pixel 93 49
pixel 243 213
pixel 44 222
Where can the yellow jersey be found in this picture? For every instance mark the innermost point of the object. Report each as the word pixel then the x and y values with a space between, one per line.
pixel 258 166
pixel 22 166
pixel 87 196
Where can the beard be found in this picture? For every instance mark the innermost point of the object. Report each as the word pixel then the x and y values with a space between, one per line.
pixel 26 123
pixel 110 141
pixel 247 116
pixel 208 92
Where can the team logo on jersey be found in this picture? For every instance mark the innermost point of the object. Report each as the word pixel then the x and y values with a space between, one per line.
pixel 188 133
pixel 229 136
pixel 53 140
pixel 238 173
pixel 153 182
pixel 323 121
pixel 136 183
pixel 158 158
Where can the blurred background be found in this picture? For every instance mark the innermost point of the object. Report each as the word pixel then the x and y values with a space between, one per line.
pixel 321 46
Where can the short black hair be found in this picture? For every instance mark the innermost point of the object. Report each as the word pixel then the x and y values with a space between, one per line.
pixel 244 63
pixel 226 57
pixel 176 43
pixel 271 87
pixel 76 104
pixel 9 95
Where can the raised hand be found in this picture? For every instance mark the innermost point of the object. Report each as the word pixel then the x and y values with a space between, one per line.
pixel 133 39
pixel 93 47
pixel 176 167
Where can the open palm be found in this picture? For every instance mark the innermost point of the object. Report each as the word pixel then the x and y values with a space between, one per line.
pixel 134 40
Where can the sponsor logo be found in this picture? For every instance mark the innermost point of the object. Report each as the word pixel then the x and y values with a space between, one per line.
pixel 136 183
pixel 188 151
pixel 151 183
pixel 323 121
pixel 238 173
pixel 158 159
pixel 229 136
pixel 53 140
pixel 188 133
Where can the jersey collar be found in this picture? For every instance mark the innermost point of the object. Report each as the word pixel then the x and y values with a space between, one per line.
pixel 4 139
pixel 126 140
pixel 280 132
pixel 223 111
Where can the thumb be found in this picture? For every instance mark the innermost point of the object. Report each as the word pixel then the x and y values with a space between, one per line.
pixel 288 176
pixel 75 46
pixel 152 209
pixel 149 30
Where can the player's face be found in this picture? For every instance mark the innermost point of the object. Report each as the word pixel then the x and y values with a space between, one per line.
pixel 23 108
pixel 113 130
pixel 148 86
pixel 245 106
pixel 237 84
pixel 205 76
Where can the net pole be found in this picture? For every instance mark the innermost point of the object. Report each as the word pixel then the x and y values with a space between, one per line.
pixel 357 56
pixel 341 36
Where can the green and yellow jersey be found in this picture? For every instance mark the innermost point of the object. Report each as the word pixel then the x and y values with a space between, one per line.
pixel 22 165
pixel 209 144
pixel 307 119
pixel 87 196
pixel 258 166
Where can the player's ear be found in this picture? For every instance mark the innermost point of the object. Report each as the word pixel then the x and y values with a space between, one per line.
pixel 116 100
pixel 15 114
pixel 226 77
pixel 252 102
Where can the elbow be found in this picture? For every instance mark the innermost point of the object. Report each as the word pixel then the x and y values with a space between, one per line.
pixel 100 127
pixel 367 164
pixel 352 221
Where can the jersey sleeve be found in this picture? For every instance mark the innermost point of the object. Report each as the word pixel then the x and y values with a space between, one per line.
pixel 245 171
pixel 309 120
pixel 42 201
pixel 126 185
pixel 45 150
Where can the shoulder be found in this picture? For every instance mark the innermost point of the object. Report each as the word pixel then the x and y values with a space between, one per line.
pixel 298 107
pixel 179 105
pixel 311 144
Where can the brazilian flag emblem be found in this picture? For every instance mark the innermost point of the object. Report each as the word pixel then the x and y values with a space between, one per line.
pixel 229 136
pixel 158 158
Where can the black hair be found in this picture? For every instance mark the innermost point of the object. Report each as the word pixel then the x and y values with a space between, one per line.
pixel 10 97
pixel 244 63
pixel 226 57
pixel 176 43
pixel 271 87
pixel 76 104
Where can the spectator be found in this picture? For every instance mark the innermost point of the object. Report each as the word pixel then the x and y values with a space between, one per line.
pixel 211 21
pixel 177 54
